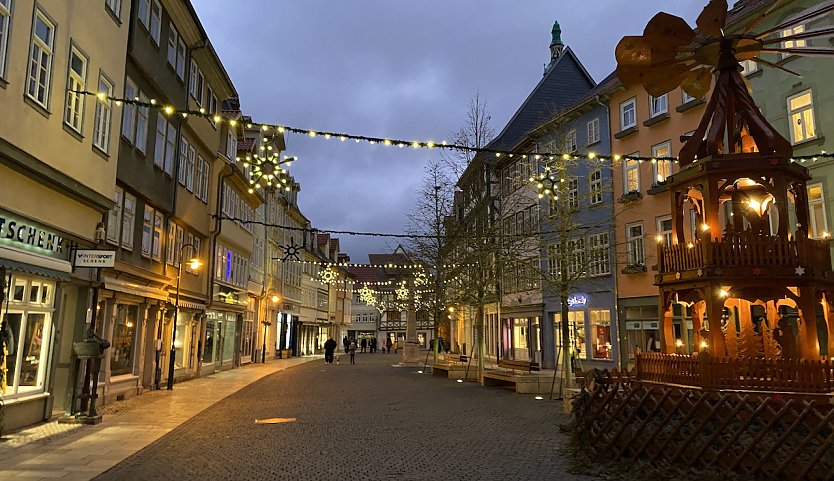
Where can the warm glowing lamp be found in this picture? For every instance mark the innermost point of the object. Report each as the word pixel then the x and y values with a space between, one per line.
pixel 195 264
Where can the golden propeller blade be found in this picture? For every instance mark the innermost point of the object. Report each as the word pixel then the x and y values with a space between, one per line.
pixel 697 81
pixel 712 19
pixel 665 31
pixel 661 79
pixel 771 64
pixel 747 48
pixel 803 18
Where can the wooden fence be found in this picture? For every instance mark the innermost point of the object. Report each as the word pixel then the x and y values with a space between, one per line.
pixel 744 250
pixel 740 374
pixel 676 427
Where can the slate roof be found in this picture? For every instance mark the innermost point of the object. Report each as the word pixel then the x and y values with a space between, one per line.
pixel 745 7
pixel 562 85
pixel 606 85
pixel 364 275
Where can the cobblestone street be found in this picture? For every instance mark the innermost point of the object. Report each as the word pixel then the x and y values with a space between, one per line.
pixel 367 421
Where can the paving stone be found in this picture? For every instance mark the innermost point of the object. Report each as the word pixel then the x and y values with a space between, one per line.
pixel 362 422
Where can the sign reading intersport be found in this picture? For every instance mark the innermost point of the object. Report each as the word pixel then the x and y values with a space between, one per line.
pixel 95 258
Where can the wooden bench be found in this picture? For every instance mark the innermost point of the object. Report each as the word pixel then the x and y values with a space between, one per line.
pixel 517 365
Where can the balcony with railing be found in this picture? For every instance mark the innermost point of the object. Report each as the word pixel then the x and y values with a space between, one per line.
pixel 746 250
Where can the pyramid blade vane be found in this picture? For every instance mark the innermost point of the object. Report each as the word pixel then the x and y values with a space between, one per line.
pixel 713 18
pixel 815 13
pixel 771 64
pixel 756 21
pixel 808 34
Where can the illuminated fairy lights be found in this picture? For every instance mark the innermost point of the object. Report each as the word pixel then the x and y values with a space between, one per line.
pixel 415 144
pixel 264 169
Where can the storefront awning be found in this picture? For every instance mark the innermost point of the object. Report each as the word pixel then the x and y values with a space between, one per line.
pixel 190 305
pixel 135 289
pixel 22 261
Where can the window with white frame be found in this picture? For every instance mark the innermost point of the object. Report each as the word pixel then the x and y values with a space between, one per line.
pixel 143 12
pixel 748 67
pixel 129 111
pixel 816 207
pixel 801 115
pixel 634 245
pixel 685 97
pixel 600 260
pixel 570 141
pixel 631 175
pixel 114 217
pixel 128 220
pixel 201 182
pixel 155 27
pixel 595 185
pixel 101 131
pixel 184 146
pixel 658 105
pixel 573 194
pixel 664 230
pixel 147 231
pixel 231 144
pixel 40 60
pixel 789 32
pixel 142 114
pixel 176 51
pixel 661 168
pixel 628 113
pixel 196 81
pixel 172 237
pixel 159 146
pixel 156 245
pixel 189 167
pixel 576 262
pixel 554 260
pixel 5 23
pixel 115 6
pixel 170 149
pixel 593 132
pixel 27 322
pixel 211 101
pixel 76 82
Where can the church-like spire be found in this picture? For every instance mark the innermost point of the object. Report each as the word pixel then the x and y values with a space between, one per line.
pixel 556 45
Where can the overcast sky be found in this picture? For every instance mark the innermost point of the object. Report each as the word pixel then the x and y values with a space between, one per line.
pixel 399 69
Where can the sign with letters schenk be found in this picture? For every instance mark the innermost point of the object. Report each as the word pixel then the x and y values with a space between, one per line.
pixel 95 258
pixel 28 235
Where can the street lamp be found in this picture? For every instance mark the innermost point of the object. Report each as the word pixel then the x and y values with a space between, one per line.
pixel 276 298
pixel 194 264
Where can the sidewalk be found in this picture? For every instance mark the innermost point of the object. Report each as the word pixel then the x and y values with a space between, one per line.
pixel 74 452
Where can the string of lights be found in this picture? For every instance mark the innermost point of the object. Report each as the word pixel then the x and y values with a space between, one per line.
pixel 375 266
pixel 217 118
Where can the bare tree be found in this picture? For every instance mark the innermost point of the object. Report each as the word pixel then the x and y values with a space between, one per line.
pixel 476 132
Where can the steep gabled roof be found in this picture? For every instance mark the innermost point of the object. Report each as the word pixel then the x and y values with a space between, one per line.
pixel 607 84
pixel 565 82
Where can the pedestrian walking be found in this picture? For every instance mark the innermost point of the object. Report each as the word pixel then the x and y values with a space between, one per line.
pixel 346 343
pixel 364 344
pixel 396 345
pixel 388 344
pixel 329 349
pixel 352 351
pixel 373 345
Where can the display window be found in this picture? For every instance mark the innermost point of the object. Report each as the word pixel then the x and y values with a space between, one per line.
pixel 123 344
pixel 26 333
pixel 600 333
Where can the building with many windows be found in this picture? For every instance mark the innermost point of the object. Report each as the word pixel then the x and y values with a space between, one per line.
pixel 58 157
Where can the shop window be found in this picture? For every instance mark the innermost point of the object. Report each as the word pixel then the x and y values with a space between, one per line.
pixel 27 329
pixel 600 333
pixel 123 343
pixel 576 328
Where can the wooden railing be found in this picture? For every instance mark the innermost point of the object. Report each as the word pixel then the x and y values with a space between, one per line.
pixel 744 250
pixel 738 374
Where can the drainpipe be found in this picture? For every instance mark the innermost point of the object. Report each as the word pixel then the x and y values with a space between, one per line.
pixel 227 172
pixel 622 335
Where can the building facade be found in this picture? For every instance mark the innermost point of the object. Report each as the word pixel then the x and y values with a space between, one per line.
pixel 57 148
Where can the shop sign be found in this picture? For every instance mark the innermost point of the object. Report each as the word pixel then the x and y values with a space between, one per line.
pixel 95 258
pixel 651 325
pixel 634 325
pixel 24 234
pixel 577 300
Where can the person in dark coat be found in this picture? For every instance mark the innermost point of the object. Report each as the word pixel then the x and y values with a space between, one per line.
pixel 388 344
pixel 329 349
pixel 363 343
pixel 373 345
pixel 352 351
pixel 346 343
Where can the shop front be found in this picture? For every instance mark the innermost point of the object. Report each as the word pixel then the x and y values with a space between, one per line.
pixel 35 270
pixel 191 320
pixel 641 327
pixel 521 330
pixel 593 342
pixel 221 333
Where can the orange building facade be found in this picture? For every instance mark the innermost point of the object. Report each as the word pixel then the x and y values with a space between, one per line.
pixel 646 126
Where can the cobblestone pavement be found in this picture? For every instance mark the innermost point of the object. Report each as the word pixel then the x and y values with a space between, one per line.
pixel 369 421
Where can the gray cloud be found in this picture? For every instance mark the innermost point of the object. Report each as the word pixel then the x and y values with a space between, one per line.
pixel 402 70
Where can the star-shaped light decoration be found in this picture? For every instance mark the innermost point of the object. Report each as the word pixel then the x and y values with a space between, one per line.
pixel 328 275
pixel 678 275
pixel 290 251
pixel 367 296
pixel 700 272
pixel 402 291
pixel 264 169
pixel 800 271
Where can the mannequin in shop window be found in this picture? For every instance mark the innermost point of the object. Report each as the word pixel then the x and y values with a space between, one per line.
pixel 653 345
